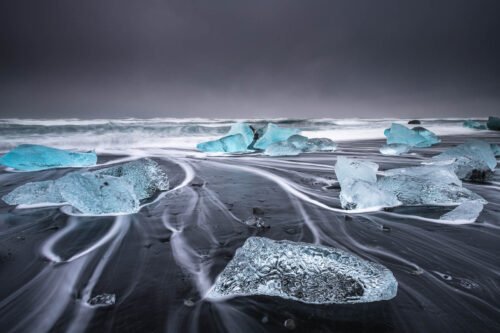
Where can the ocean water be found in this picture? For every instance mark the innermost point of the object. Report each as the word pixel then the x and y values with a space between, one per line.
pixel 160 262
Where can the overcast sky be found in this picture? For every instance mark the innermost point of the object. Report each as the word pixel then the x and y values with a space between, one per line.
pixel 245 59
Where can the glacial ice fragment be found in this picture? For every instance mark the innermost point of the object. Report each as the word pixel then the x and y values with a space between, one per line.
pixel 273 134
pixel 473 160
pixel 467 212
pixel 297 144
pixel 320 144
pixel 307 273
pixel 358 182
pixel 442 174
pixel 35 157
pixel 282 148
pixel 474 124
pixel 97 194
pixel 114 190
pixel 493 123
pixel 244 129
pixel 235 143
pixel 44 192
pixel 103 300
pixel 418 137
pixel 496 149
pixel 394 149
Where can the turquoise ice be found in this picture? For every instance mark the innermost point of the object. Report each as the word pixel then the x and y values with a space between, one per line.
pixel 235 143
pixel 473 160
pixel 114 190
pixel 34 157
pixel 474 124
pixel 244 129
pixel 418 137
pixel 394 149
pixel 272 134
pixel 307 273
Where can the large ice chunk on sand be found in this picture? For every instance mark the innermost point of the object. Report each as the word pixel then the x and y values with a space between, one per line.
pixel 44 192
pixel 114 190
pixel 358 182
pixel 467 212
pixel 473 160
pixel 493 123
pixel 244 129
pixel 418 137
pixel 302 272
pixel 272 134
pixel 297 144
pixel 394 149
pixel 235 143
pixel 442 174
pixel 36 157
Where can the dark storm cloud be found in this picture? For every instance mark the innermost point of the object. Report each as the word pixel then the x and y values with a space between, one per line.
pixel 144 58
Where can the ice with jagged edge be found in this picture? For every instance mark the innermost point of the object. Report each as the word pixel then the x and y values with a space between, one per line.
pixel 272 134
pixel 416 137
pixel 467 212
pixel 239 137
pixel 394 149
pixel 307 273
pixel 358 183
pixel 474 124
pixel 473 160
pixel 114 190
pixel 36 157
pixel 297 144
pixel 414 186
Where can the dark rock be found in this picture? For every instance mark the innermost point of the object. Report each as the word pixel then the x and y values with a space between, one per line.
pixel 414 122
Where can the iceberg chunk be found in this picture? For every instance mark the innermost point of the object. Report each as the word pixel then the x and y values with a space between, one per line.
pixel 273 134
pixel 443 174
pixel 467 212
pixel 115 190
pixel 244 129
pixel 320 144
pixel 358 183
pixel 307 273
pixel 44 192
pixel 474 124
pixel 235 143
pixel 297 144
pixel 282 148
pixel 473 160
pixel 419 137
pixel 394 149
pixel 36 157
pixel 496 149
pixel 493 123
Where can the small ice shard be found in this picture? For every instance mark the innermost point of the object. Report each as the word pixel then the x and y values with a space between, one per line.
pixel 496 149
pixel 114 190
pixel 358 182
pixel 235 143
pixel 394 149
pixel 474 124
pixel 145 176
pixel 273 134
pixel 493 123
pixel 44 192
pixel 244 129
pixel 320 144
pixel 419 137
pixel 98 194
pixel 36 157
pixel 307 273
pixel 414 122
pixel 103 300
pixel 467 212
pixel 255 221
pixel 473 160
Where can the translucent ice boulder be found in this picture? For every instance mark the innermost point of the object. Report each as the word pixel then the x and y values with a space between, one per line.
pixel 272 134
pixel 244 129
pixel 307 273
pixel 495 149
pixel 473 160
pixel 115 190
pixel 235 143
pixel 467 212
pixel 443 174
pixel 418 137
pixel 44 192
pixel 394 149
pixel 358 182
pixel 493 123
pixel 297 144
pixel 474 124
pixel 36 157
